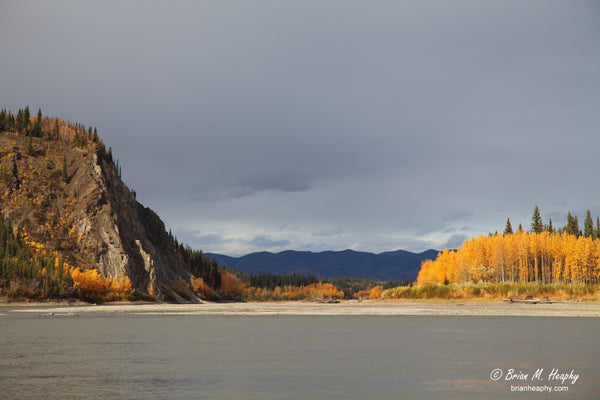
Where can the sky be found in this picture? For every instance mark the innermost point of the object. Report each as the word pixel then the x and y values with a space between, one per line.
pixel 317 125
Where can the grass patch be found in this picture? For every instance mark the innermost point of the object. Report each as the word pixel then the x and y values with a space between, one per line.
pixel 515 290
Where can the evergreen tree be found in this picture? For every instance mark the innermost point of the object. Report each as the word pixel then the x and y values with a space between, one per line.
pixel 25 116
pixel 520 230
pixel 508 229
pixel 536 221
pixel 549 227
pixel 3 124
pixel 588 225
pixel 214 277
pixel 37 126
pixel 572 227
pixel 19 124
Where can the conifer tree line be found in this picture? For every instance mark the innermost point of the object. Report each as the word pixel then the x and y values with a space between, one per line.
pixel 572 226
pixel 543 254
pixel 199 265
pixel 19 267
pixel 271 281
pixel 22 123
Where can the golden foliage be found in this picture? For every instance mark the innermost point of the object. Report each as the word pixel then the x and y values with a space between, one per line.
pixel 370 294
pixel 521 257
pixel 93 285
pixel 313 291
pixel 230 287
pixel 202 289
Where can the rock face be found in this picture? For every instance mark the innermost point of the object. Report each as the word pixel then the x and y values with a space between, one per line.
pixel 71 199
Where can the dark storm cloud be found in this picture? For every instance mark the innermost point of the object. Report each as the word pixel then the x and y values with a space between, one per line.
pixel 274 182
pixel 455 241
pixel 396 124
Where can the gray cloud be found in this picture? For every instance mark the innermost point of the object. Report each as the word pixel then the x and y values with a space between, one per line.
pixel 328 232
pixel 209 240
pixel 265 242
pixel 458 215
pixel 276 182
pixel 397 123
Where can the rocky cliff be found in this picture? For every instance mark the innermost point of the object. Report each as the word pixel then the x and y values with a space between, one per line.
pixel 66 196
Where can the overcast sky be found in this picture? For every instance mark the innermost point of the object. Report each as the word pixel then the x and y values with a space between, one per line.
pixel 325 125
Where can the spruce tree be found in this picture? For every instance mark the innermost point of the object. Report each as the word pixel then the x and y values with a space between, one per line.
pixel 37 126
pixel 10 122
pixel 25 120
pixel 19 124
pixel 549 227
pixel 3 120
pixel 536 221
pixel 508 229
pixel 572 225
pixel 588 225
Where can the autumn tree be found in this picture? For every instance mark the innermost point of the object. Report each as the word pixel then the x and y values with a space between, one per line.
pixel 230 286
pixel 522 257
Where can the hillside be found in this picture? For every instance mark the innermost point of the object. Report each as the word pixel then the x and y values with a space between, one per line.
pixel 395 265
pixel 69 224
pixel 63 193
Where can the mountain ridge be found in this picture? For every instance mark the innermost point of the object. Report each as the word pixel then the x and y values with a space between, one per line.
pixel 389 265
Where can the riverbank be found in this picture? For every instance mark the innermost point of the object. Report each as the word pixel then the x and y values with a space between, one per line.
pixel 466 308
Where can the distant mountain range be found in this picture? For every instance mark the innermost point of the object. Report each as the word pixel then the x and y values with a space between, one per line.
pixel 392 265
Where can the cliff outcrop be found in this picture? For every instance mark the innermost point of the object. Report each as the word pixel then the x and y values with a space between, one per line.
pixel 66 197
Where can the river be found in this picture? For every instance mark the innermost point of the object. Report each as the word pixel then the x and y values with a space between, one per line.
pixel 124 356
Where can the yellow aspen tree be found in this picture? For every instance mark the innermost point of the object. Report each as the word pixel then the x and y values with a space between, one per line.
pixel 568 248
pixel 426 275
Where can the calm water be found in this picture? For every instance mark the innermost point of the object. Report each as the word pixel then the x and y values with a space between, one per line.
pixel 293 357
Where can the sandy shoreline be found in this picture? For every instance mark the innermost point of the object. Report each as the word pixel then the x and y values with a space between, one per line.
pixel 499 308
